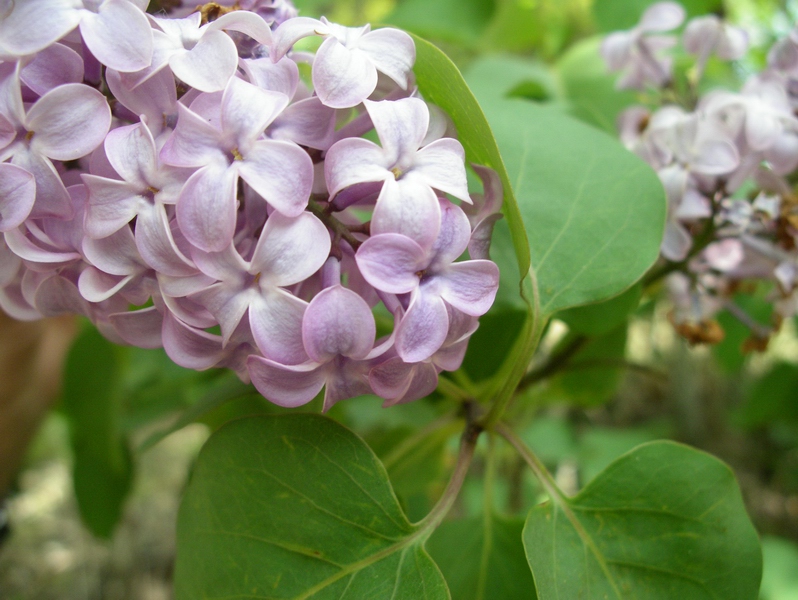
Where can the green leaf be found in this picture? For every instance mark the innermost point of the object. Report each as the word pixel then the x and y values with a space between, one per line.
pixel 589 88
pixel 482 558
pixel 780 576
pixel 459 21
pixel 664 521
pixel 102 468
pixel 297 506
pixel 594 212
pixel 602 317
pixel 612 15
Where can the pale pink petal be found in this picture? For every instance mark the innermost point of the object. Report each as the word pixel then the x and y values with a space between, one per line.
pixel 282 76
pixel 32 26
pixel 291 31
pixel 227 304
pixel 69 121
pixel 401 126
pixel 56 65
pixel 276 321
pixel 52 199
pixel 307 122
pixel 157 246
pixel 247 110
pixel 354 160
pixel 442 165
pixel 281 173
pixel 17 193
pixel 248 23
pixel 470 286
pixel 119 35
pixel 132 153
pixel 283 385
pixel 96 286
pixel 209 65
pixel 390 262
pixel 115 254
pixel 193 143
pixel 676 243
pixel 423 328
pixel 188 347
pixel 338 322
pixel 140 328
pixel 342 77
pixel 290 249
pixel 206 210
pixel 112 205
pixel 392 51
pixel 408 207
pixel 662 16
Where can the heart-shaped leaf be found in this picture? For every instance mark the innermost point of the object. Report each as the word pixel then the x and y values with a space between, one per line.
pixel 664 521
pixel 297 506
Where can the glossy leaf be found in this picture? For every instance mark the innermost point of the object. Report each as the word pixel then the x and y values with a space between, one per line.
pixel 297 506
pixel 664 521
pixel 102 467
pixel 594 212
pixel 482 558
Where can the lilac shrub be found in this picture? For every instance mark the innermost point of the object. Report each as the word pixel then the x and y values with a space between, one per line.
pixel 727 160
pixel 176 180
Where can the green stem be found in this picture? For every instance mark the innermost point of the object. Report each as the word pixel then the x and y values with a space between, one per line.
pixel 340 231
pixel 449 388
pixel 538 468
pixel 468 443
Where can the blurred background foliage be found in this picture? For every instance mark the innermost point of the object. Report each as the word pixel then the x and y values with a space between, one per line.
pixel 93 512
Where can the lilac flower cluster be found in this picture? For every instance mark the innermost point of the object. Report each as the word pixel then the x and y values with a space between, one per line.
pixel 725 159
pixel 176 180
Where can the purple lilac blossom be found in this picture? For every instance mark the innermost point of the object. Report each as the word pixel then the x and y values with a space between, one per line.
pixel 223 209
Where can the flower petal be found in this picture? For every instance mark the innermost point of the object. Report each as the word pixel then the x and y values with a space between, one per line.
pixel 276 321
pixel 342 77
pixel 290 249
pixel 281 173
pixel 338 322
pixel 206 210
pixel 470 286
pixel 392 51
pixel 119 35
pixel 286 386
pixel 408 207
pixel 17 193
pixel 69 121
pixel 423 329
pixel 209 65
pixel 390 261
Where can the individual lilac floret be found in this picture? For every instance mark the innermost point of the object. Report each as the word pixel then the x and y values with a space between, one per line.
pixel 279 171
pixel 202 56
pixel 345 67
pixel 146 188
pixel 638 54
pixel 66 123
pixel 484 212
pixel 409 173
pixel 338 332
pixel 289 250
pixel 396 264
pixel 116 31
